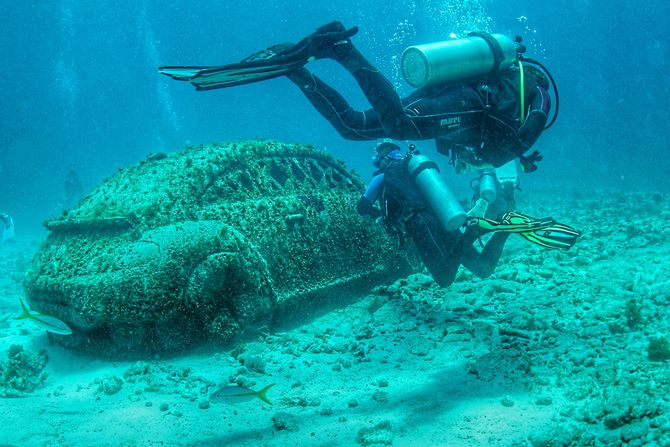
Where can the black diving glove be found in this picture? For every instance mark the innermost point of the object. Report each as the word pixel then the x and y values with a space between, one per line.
pixel 528 163
pixel 330 41
pixel 366 208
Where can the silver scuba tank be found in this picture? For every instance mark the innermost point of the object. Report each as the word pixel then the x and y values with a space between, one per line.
pixel 487 193
pixel 487 185
pixel 453 60
pixel 442 201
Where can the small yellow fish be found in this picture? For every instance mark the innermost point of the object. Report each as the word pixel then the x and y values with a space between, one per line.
pixel 47 322
pixel 236 394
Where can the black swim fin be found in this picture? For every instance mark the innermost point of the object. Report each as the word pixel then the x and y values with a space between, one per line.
pixel 329 40
pixel 266 64
pixel 180 73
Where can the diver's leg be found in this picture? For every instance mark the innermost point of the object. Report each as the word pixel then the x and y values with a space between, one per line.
pixel 441 260
pixel 483 264
pixel 333 41
pixel 350 123
pixel 381 94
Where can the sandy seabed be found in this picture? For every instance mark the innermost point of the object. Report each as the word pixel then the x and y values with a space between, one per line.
pixel 555 349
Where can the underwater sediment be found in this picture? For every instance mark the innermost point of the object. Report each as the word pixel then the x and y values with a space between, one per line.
pixel 194 246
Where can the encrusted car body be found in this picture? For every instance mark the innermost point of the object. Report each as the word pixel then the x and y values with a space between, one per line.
pixel 196 245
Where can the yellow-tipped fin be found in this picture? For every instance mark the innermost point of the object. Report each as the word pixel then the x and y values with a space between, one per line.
pixel 262 394
pixel 25 313
pixel 233 394
pixel 512 222
pixel 559 236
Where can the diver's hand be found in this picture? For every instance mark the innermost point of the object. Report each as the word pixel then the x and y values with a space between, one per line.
pixel 331 41
pixel 333 37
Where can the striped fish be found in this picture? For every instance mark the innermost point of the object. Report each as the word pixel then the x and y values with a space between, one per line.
pixel 236 394
pixel 46 322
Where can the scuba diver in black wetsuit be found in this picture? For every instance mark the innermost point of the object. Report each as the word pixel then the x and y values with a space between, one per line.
pixel 415 202
pixel 484 116
pixel 405 211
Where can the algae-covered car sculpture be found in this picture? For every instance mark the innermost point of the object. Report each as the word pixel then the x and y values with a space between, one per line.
pixel 197 245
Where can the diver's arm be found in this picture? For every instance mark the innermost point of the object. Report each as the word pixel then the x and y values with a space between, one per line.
pixel 535 121
pixel 364 205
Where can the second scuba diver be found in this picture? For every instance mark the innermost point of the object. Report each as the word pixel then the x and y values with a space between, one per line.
pixel 415 202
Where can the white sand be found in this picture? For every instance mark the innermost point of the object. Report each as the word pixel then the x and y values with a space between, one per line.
pixel 539 354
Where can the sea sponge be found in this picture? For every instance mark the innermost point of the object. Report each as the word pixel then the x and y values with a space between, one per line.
pixel 109 385
pixel 633 313
pixel 659 349
pixel 380 434
pixel 285 421
pixel 22 372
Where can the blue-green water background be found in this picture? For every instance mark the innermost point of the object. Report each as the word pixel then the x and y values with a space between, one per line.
pixel 80 87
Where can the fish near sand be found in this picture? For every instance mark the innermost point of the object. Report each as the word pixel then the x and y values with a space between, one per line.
pixel 236 394
pixel 46 322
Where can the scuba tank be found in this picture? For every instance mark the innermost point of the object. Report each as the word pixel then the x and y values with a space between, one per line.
pixel 487 193
pixel 442 201
pixel 487 185
pixel 453 60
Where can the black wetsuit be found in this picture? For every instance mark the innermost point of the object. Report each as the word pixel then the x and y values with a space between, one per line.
pixel 482 114
pixel 404 210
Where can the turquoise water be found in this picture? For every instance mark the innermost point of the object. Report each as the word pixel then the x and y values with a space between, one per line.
pixel 555 349
pixel 82 91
